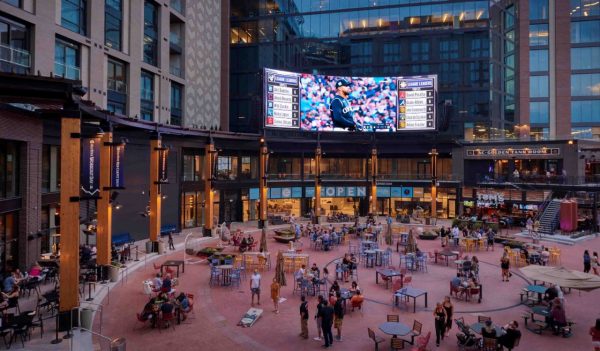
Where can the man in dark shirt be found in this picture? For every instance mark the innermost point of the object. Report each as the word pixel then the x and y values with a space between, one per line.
pixel 551 293
pixel 326 323
pixel 341 112
pixel 338 310
pixel 304 317
pixel 512 334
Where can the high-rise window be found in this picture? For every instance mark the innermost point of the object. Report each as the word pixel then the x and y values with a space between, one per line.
pixel 585 58
pixel 587 111
pixel 147 96
pixel 538 86
pixel 74 15
pixel 117 87
pixel 14 44
pixel 538 34
pixel 585 32
pixel 539 112
pixel 448 49
pixel 585 84
pixel 538 60
pixel 150 32
pixel 16 3
pixel 113 23
pixel 66 60
pixel 538 9
pixel 176 103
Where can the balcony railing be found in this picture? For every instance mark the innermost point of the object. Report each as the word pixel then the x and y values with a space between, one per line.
pixel 343 176
pixel 117 85
pixel 176 71
pixel 66 71
pixel 284 176
pixel 590 180
pixel 15 56
pixel 417 176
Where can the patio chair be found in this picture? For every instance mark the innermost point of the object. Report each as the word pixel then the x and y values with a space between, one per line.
pixel 39 323
pixel 422 342
pixel 490 344
pixel 13 302
pixel 416 331
pixel 191 303
pixel 167 318
pixel 396 344
pixel 215 276
pixel 393 318
pixel 455 290
pixel 236 277
pixel 483 319
pixel 407 280
pixel 376 339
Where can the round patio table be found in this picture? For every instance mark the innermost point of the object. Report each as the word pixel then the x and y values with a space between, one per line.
pixel 394 328
pixel 477 327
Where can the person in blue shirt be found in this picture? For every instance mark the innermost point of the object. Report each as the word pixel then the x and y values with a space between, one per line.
pixel 341 111
pixel 9 282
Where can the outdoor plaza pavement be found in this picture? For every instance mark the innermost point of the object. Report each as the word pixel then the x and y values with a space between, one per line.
pixel 218 309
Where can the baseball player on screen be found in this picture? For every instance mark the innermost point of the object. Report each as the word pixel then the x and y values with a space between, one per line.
pixel 341 112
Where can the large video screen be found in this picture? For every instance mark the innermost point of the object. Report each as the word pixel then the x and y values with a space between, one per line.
pixel 335 103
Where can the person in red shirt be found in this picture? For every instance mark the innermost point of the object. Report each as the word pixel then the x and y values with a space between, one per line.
pixel 595 333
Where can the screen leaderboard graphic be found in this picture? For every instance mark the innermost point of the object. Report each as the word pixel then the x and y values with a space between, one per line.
pixel 336 103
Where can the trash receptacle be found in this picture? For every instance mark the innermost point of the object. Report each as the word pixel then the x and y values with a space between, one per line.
pixel 118 344
pixel 148 246
pixel 85 318
pixel 161 247
pixel 113 273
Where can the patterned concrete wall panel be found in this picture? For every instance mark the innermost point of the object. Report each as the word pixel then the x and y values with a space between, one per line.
pixel 202 62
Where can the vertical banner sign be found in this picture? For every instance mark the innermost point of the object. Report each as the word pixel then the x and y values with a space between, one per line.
pixel 90 167
pixel 163 156
pixel 118 154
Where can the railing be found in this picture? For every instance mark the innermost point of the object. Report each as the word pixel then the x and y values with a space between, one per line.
pixel 15 56
pixel 418 176
pixel 175 38
pixel 284 176
pixel 147 94
pixel 591 180
pixel 343 176
pixel 67 71
pixel 176 71
pixel 117 85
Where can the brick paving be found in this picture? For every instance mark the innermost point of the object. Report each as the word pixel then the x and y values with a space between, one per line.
pixel 218 309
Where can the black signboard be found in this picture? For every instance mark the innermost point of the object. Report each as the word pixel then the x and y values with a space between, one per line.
pixel 90 167
pixel 117 176
pixel 163 157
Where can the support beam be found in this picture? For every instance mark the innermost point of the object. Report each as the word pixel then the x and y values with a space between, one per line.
pixel 208 191
pixel 373 197
pixel 317 204
pixel 155 199
pixel 70 158
pixel 434 156
pixel 104 226
pixel 264 154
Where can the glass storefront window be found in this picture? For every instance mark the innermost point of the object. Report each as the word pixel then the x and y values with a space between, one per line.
pixel 282 167
pixel 249 167
pixel 192 209
pixel 192 168
pixel 9 242
pixel 227 167
pixel 9 169
pixel 343 168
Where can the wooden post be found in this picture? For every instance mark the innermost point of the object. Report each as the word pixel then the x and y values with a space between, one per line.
pixel 104 226
pixel 373 198
pixel 155 199
pixel 264 153
pixel 208 191
pixel 317 208
pixel 434 155
pixel 70 158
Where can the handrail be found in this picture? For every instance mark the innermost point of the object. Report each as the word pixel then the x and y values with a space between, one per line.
pixel 11 56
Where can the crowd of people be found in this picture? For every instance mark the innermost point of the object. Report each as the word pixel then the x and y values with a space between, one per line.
pixel 373 101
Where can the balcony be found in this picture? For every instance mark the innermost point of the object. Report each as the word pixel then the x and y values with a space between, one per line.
pixel 15 58
pixel 284 176
pixel 66 71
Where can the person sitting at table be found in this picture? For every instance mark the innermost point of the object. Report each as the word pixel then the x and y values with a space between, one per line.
pixel 467 265
pixel 357 300
pixel 150 312
pixel 157 282
pixel 557 318
pixel 184 305
pixel 300 273
pixel 244 245
pixel 166 308
pixel 488 331
pixel 475 265
pixel 326 241
pixel 335 287
pixel 166 284
pixel 18 275
pixel 9 282
pixel 551 293
pixel 511 335
pixel 14 293
pixel 456 282
pixel 354 288
pixel 250 241
pixel 35 271
pixel 235 239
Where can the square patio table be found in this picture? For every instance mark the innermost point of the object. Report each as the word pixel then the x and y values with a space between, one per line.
pixel 447 254
pixel 410 292
pixel 173 263
pixel 387 273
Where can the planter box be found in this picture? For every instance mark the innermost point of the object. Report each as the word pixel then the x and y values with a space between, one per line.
pixel 428 237
pixel 284 239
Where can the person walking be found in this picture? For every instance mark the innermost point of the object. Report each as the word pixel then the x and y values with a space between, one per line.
pixel 318 316
pixel 439 313
pixel 595 263
pixel 595 333
pixel 338 310
pixel 255 286
pixel 275 292
pixel 171 245
pixel 449 308
pixel 326 324
pixel 587 262
pixel 505 266
pixel 304 317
